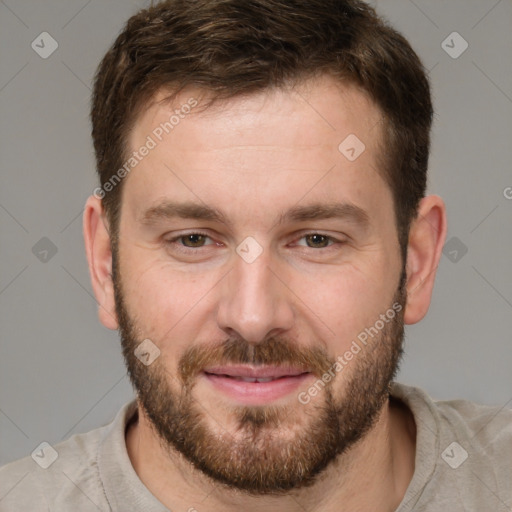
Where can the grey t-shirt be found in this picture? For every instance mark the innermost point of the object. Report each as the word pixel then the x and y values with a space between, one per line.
pixel 463 463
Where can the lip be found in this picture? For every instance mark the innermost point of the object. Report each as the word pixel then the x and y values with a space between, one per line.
pixel 256 371
pixel 287 381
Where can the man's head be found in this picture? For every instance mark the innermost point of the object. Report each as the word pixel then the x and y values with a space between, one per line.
pixel 264 227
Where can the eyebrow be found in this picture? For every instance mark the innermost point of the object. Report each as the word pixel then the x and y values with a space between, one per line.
pixel 317 211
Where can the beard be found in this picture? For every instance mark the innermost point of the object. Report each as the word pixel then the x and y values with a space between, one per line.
pixel 274 448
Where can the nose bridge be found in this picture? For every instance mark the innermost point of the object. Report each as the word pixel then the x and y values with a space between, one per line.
pixel 253 301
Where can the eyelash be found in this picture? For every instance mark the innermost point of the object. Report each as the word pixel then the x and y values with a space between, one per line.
pixel 189 250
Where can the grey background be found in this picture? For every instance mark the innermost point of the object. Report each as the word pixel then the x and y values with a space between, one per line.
pixel 61 372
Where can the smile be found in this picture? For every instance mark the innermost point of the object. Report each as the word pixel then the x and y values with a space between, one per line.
pixel 255 385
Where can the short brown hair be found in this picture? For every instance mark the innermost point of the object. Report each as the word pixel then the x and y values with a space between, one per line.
pixel 234 47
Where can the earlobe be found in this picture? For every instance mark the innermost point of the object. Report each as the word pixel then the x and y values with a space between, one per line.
pixel 426 239
pixel 99 258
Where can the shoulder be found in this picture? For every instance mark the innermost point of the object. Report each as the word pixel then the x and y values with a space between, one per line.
pixel 487 428
pixel 464 452
pixel 66 473
pixel 476 453
pixel 471 420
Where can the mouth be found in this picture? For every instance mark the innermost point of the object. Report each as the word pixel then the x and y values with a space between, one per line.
pixel 255 384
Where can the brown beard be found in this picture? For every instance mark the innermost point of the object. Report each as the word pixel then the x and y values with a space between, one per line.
pixel 258 459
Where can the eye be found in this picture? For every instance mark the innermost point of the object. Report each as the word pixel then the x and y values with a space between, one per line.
pixel 318 240
pixel 194 239
pixel 187 241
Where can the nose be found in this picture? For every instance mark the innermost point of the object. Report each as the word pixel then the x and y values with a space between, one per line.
pixel 255 303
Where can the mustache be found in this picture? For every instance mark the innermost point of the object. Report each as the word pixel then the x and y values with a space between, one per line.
pixel 272 351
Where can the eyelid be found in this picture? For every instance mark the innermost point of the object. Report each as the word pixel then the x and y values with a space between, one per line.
pixel 175 238
pixel 329 238
pixel 335 240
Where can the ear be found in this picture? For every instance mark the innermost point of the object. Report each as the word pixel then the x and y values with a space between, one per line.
pixel 426 239
pixel 99 258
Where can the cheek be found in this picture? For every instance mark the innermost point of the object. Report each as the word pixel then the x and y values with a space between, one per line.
pixel 342 302
pixel 163 301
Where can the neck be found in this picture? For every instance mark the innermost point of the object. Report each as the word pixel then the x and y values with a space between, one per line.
pixel 372 475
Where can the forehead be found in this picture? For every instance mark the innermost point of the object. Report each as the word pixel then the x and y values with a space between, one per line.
pixel 270 148
pixel 314 111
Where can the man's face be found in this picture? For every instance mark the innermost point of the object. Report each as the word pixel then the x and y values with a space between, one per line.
pixel 290 299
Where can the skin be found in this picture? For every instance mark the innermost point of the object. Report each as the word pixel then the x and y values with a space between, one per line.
pixel 278 143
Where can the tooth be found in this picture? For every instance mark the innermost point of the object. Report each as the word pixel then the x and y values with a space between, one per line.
pixel 251 379
pixel 247 379
pixel 255 379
